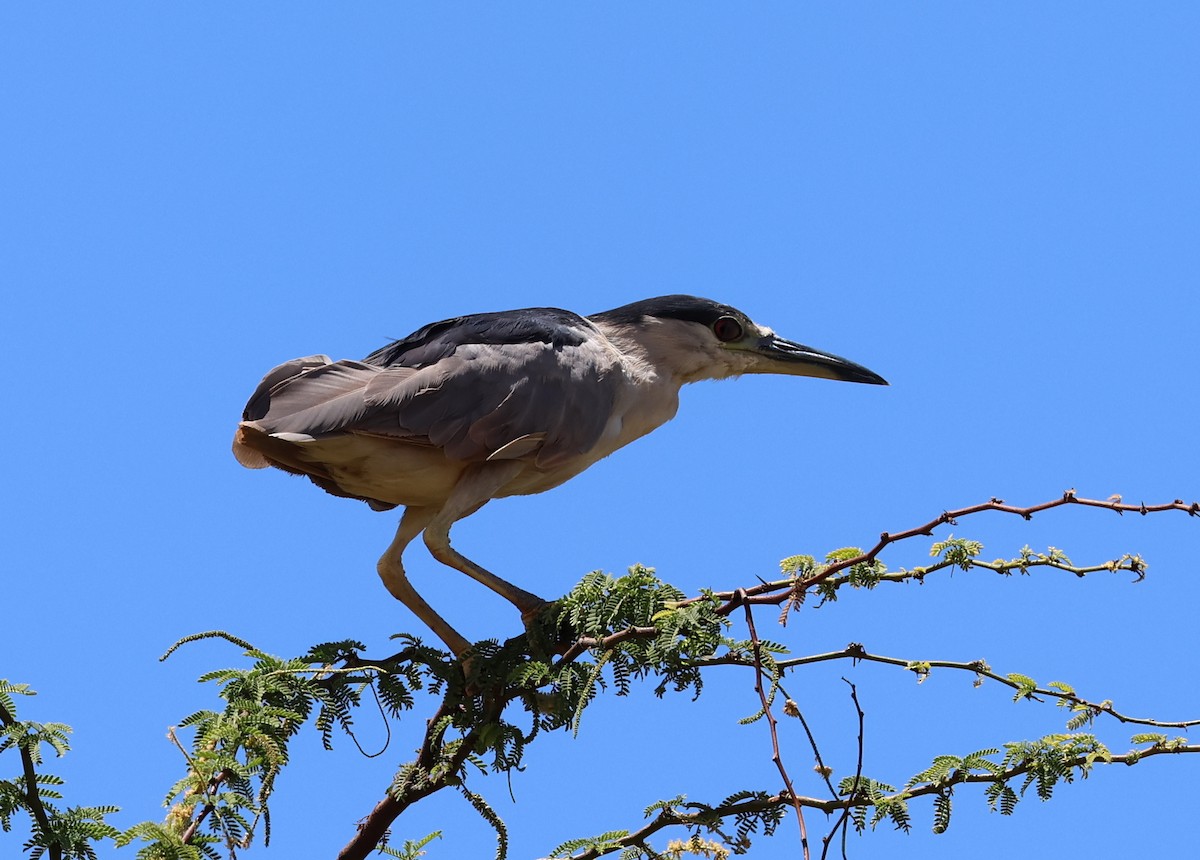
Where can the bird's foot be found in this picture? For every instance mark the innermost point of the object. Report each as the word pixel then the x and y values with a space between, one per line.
pixel 545 628
pixel 533 609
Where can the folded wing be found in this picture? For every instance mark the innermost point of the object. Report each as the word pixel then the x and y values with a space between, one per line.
pixel 542 390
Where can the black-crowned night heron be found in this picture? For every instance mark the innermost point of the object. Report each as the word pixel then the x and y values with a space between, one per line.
pixel 499 404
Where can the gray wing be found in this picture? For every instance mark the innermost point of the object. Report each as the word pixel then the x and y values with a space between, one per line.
pixel 546 402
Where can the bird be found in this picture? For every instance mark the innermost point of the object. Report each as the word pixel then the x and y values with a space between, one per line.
pixel 489 405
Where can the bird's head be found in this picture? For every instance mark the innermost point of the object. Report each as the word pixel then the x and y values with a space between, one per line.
pixel 694 339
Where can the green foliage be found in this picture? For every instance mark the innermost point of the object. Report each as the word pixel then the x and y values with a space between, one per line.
pixel 679 633
pixel 29 736
pixel 69 833
pixel 411 849
pixel 633 627
pixel 947 768
pixel 1155 738
pixel 1052 557
pixel 74 831
pixel 864 574
pixel 605 843
pixel 1044 763
pixel 237 753
pixel 941 811
pixel 750 812
pixel 798 566
pixel 1041 764
pixel 921 668
pixel 959 552
pixel 945 771
pixel 749 821
pixel 1026 686
pixel 608 632
pixel 880 798
pixel 166 842
pixel 1157 741
pixel 1082 713
pixel 489 815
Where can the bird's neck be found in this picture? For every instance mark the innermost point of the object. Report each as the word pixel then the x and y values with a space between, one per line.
pixel 670 358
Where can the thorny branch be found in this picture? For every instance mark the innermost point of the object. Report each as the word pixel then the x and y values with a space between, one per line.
pixel 778 591
pixel 1131 563
pixel 375 826
pixel 961 777
pixel 670 818
pixel 440 762
pixel 857 653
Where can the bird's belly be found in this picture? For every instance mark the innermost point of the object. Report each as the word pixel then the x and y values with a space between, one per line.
pixel 621 429
pixel 533 480
pixel 390 470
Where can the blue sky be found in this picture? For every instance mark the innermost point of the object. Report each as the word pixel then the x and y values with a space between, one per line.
pixel 996 206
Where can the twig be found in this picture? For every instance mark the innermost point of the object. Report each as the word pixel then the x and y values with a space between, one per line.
pixel 584 643
pixel 858 653
pixel 772 723
pixel 812 741
pixel 1131 564
pixel 777 592
pixel 669 817
pixel 958 777
pixel 844 819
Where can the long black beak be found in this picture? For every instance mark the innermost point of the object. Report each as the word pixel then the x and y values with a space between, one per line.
pixel 786 356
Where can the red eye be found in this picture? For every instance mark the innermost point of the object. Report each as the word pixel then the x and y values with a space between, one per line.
pixel 727 329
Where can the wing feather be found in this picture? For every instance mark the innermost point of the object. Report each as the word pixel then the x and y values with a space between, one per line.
pixel 542 390
pixel 322 400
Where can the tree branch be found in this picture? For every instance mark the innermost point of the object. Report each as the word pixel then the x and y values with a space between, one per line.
pixel 419 781
pixel 844 819
pixel 857 653
pixel 668 818
pixel 776 757
pixel 32 799
pixel 437 766
pixel 779 591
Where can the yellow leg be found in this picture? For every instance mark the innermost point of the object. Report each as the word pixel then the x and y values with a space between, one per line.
pixel 477 485
pixel 391 571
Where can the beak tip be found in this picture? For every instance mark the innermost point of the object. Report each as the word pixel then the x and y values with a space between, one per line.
pixel 860 374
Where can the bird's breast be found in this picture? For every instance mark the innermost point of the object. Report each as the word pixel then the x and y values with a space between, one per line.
pixel 637 410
